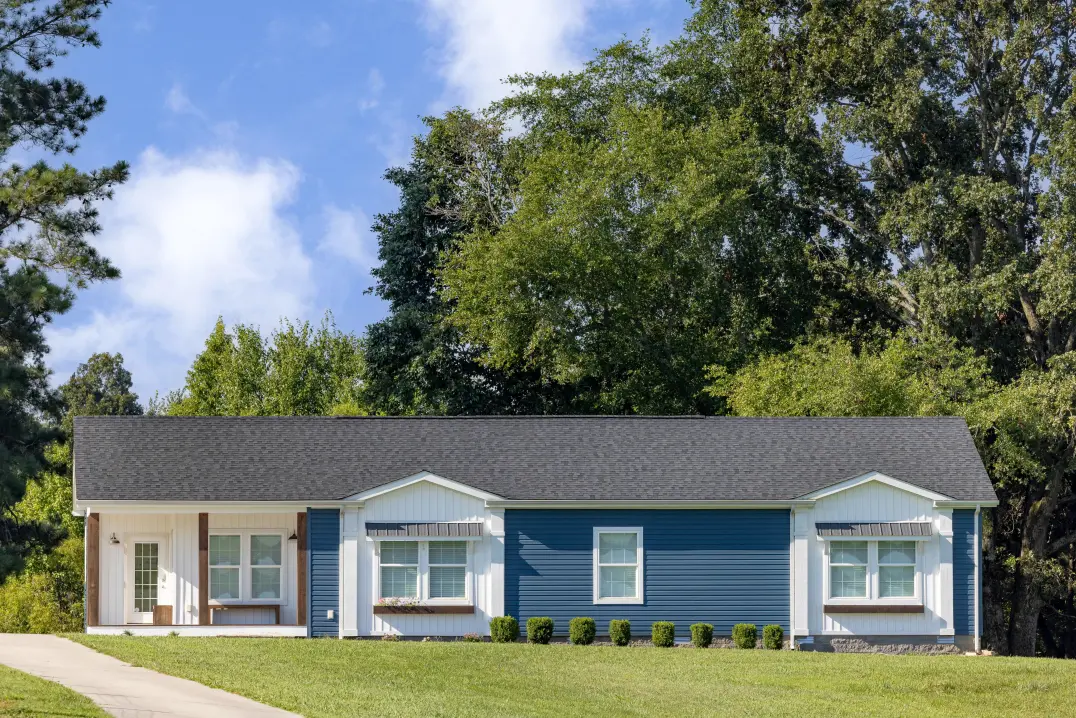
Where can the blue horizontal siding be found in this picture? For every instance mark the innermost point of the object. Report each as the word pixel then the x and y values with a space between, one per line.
pixel 323 526
pixel 714 566
pixel 964 550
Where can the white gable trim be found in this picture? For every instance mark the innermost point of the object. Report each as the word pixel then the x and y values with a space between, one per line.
pixel 428 478
pixel 881 478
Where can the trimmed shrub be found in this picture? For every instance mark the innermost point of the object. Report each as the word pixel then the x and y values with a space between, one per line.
pixel 702 635
pixel 581 631
pixel 663 633
pixel 504 629
pixel 773 637
pixel 539 629
pixel 745 635
pixel 620 632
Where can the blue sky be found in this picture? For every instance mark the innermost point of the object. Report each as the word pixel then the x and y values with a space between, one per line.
pixel 258 133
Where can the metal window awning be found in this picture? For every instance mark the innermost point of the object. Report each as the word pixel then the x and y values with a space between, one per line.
pixel 897 529
pixel 404 529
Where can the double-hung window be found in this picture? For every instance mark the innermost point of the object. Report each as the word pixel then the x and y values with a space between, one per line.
pixel 421 571
pixel 618 565
pixel 873 570
pixel 246 566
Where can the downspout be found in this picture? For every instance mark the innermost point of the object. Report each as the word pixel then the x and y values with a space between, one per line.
pixel 978 574
pixel 85 566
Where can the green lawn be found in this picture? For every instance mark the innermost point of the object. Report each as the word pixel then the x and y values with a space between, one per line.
pixel 373 678
pixel 23 695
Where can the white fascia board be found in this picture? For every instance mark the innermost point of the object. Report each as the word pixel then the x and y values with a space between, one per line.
pixel 952 504
pixel 555 504
pixel 429 478
pixel 198 507
pixel 880 478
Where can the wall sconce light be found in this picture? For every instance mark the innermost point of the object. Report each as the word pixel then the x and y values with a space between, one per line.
pixel 293 537
pixel 113 540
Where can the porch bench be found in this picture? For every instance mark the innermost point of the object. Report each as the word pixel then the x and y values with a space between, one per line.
pixel 275 607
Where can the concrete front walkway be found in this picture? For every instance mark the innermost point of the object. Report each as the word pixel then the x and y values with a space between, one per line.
pixel 120 688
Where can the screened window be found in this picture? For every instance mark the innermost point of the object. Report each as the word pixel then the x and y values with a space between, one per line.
pixel 896 569
pixel 399 569
pixel 265 565
pixel 618 558
pixel 225 559
pixel 448 569
pixel 848 569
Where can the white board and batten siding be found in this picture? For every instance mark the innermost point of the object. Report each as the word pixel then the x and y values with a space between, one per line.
pixel 875 501
pixel 423 502
pixel 178 534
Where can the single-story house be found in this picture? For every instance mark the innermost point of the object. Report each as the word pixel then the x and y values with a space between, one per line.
pixel 364 526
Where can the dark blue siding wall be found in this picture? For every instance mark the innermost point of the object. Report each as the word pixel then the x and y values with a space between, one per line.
pixel 712 566
pixel 964 550
pixel 324 543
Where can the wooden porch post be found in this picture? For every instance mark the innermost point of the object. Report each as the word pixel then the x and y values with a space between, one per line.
pixel 300 569
pixel 93 569
pixel 203 569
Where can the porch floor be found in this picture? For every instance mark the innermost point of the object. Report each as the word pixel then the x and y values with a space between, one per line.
pixel 142 629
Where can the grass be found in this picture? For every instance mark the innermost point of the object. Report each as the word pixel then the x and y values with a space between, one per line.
pixel 23 695
pixel 358 678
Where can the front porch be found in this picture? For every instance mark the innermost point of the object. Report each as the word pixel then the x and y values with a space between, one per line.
pixel 200 631
pixel 197 573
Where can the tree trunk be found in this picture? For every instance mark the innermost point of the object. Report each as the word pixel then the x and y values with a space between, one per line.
pixel 1027 604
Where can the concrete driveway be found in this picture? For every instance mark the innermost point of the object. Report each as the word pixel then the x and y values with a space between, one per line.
pixel 120 688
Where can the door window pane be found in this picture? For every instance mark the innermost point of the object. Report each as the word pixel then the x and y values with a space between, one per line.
pixel 146 561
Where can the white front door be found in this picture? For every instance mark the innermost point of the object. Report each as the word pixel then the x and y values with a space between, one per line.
pixel 147 578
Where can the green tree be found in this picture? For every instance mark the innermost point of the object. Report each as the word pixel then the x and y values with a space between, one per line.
pixel 47 215
pixel 298 370
pixel 947 129
pixel 459 178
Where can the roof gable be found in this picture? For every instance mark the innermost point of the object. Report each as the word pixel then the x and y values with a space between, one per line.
pixel 427 477
pixel 875 476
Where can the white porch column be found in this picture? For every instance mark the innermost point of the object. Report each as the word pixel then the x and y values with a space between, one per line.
pixel 803 525
pixel 496 563
pixel 945 572
pixel 351 531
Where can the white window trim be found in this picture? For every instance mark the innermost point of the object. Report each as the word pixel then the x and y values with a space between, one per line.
pixel 423 580
pixel 873 588
pixel 596 570
pixel 245 566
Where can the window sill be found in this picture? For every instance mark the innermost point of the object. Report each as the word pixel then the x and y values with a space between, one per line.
pixel 425 608
pixel 873 608
pixel 618 602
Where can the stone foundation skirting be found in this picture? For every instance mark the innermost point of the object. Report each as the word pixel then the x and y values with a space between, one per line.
pixel 881 644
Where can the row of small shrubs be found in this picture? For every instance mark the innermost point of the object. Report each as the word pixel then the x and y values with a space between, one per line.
pixel 582 632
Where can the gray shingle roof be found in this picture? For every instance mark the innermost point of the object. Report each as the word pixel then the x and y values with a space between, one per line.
pixel 895 528
pixel 533 458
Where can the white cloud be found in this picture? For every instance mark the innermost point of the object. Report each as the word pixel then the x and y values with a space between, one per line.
pixel 178 102
pixel 195 237
pixel 487 40
pixel 375 85
pixel 348 236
